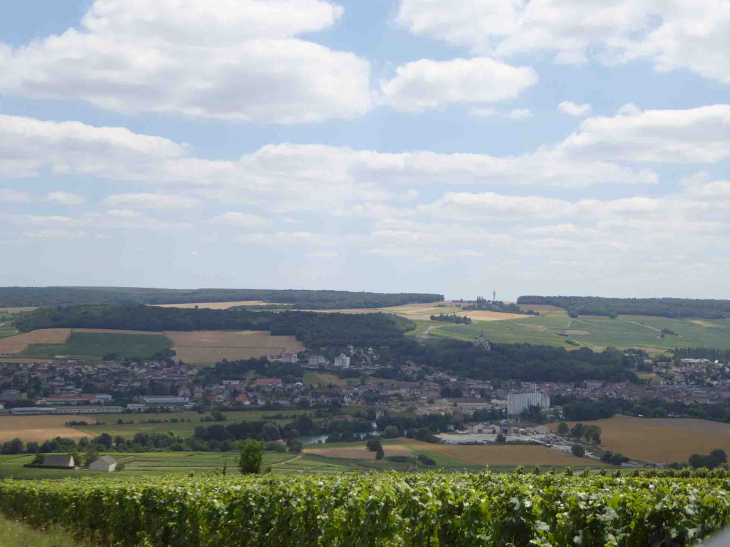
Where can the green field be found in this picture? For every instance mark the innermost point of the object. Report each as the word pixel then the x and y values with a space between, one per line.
pixel 163 463
pixel 16 534
pixel 181 429
pixel 554 329
pixel 94 345
pixel 6 326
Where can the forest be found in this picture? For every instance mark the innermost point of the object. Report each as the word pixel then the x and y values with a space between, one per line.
pixel 613 307
pixel 313 329
pixel 16 297
pixel 518 361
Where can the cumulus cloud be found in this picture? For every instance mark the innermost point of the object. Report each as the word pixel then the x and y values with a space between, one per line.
pixel 516 114
pixel 697 135
pixel 153 201
pixel 223 59
pixel 671 34
pixel 572 109
pixel 241 220
pixel 427 84
pixel 64 198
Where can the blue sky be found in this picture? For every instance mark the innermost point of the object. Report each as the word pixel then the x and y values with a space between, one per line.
pixel 450 146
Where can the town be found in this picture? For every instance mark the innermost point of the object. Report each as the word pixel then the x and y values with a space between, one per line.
pixel 75 387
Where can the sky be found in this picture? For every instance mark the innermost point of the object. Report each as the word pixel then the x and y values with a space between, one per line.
pixel 457 147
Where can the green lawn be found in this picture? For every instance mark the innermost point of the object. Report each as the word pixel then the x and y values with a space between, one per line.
pixel 184 429
pixel 599 332
pixel 94 345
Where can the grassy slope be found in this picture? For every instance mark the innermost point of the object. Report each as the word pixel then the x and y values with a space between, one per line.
pixel 6 326
pixel 96 345
pixel 14 534
pixel 625 331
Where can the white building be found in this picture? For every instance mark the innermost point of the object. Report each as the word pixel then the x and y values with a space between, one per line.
pixel 342 361
pixel 519 402
pixel 317 360
pixel 107 464
pixel 290 358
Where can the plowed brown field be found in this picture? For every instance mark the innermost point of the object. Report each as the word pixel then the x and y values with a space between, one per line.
pixel 360 453
pixel 509 455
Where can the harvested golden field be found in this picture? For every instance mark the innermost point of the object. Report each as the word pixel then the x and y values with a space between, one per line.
pixel 662 440
pixel 509 455
pixel 212 346
pixel 39 428
pixel 16 344
pixel 359 453
pixel 707 324
pixel 423 312
pixel 214 305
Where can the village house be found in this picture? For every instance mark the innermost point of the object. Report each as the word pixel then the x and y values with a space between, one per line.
pixel 65 461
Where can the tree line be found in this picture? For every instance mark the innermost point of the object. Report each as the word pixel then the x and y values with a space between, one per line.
pixel 613 307
pixel 313 329
pixel 14 297
pixel 517 361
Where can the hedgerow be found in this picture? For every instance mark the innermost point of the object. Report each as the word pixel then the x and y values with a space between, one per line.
pixel 429 509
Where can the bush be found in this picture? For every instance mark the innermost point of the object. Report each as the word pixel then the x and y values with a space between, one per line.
pixel 391 432
pixel 379 455
pixel 275 447
pixel 425 460
pixel 501 439
pixel 252 455
pixel 373 445
pixel 578 450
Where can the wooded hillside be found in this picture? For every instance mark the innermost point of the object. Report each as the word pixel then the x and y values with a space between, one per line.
pixel 14 297
pixel 656 307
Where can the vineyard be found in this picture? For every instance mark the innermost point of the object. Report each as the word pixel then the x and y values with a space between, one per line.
pixel 431 509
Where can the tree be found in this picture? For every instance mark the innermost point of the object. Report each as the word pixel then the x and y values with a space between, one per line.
pixel 578 430
pixel 252 455
pixel 105 439
pixel 373 445
pixel 379 455
pixel 578 450
pixel 271 432
pixel 38 460
pixel 719 454
pixel 501 439
pixel 391 432
pixel 563 428
pixel 91 455
pixel 295 447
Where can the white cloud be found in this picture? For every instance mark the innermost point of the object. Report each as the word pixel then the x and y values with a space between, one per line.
pixel 516 114
pixel 697 135
pixel 670 34
pixel 241 220
pixel 572 109
pixel 55 234
pixel 427 84
pixel 13 196
pixel 222 59
pixel 64 198
pixel 153 201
